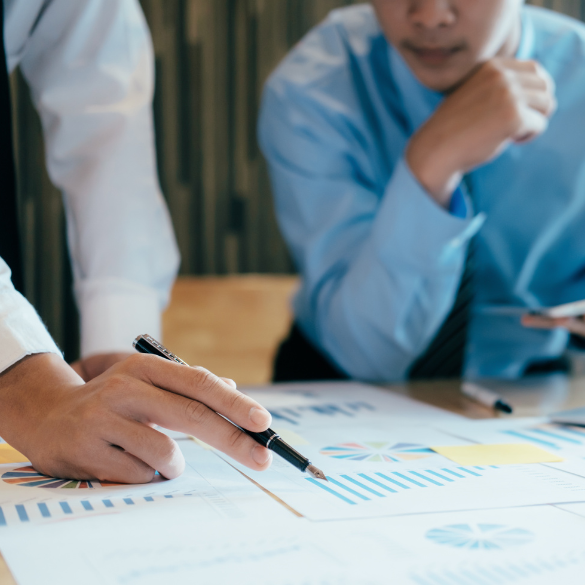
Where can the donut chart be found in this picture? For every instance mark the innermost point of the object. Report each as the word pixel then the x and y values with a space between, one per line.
pixel 29 477
pixel 378 451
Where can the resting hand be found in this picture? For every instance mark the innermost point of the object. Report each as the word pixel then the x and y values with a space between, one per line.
pixel 504 101
pixel 105 429
pixel 575 325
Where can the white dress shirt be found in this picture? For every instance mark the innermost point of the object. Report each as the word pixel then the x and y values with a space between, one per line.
pixel 89 65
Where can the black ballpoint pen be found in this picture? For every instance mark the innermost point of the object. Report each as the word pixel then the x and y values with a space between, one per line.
pixel 269 439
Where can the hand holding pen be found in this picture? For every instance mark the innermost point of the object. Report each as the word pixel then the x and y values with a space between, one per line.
pixel 266 438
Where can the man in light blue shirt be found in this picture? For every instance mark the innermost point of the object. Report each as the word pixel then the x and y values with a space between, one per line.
pixel 417 146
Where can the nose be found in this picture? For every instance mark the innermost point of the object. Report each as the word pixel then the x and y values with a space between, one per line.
pixel 433 14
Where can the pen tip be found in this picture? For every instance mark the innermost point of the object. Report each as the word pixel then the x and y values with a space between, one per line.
pixel 316 472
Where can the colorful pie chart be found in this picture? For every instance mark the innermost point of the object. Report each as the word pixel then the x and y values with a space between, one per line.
pixel 29 477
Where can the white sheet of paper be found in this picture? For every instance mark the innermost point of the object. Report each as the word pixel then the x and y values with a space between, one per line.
pixel 212 487
pixel 562 440
pixel 326 405
pixel 388 471
pixel 154 546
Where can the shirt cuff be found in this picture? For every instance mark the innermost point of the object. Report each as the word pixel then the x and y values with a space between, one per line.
pixel 114 313
pixel 422 232
pixel 22 332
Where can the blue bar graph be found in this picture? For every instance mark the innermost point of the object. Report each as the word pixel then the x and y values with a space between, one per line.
pixel 322 485
pixel 294 415
pixel 129 501
pixel 149 499
pixel 526 437
pixel 348 489
pixel 108 503
pixel 375 482
pixel 86 505
pixel 363 487
pixel 66 507
pixel 44 510
pixel 21 511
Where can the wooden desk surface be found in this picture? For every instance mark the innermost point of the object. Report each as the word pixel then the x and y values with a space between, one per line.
pixel 530 397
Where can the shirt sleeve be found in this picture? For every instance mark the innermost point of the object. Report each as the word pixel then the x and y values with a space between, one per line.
pixel 380 266
pixel 22 332
pixel 89 65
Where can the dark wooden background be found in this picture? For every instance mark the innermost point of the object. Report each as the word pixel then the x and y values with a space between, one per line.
pixel 212 58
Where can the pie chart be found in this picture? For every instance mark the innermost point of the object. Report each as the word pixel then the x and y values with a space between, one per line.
pixel 377 451
pixel 480 536
pixel 29 477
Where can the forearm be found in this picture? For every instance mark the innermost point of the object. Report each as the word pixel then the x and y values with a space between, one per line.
pixel 377 311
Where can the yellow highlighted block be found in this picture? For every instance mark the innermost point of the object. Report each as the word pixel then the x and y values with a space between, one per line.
pixel 9 454
pixel 513 454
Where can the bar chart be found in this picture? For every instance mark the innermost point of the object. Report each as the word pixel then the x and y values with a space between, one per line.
pixel 356 488
pixel 551 436
pixel 33 512
pixel 297 415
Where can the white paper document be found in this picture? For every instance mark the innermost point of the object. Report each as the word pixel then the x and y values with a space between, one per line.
pixel 384 471
pixel 497 547
pixel 325 405
pixel 212 487
pixel 565 441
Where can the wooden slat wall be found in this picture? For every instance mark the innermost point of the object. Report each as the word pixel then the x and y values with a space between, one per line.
pixel 212 59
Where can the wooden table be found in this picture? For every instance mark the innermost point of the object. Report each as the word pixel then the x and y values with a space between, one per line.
pixel 531 397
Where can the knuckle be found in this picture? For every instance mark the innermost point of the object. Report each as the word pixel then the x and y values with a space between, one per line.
pixel 135 363
pixel 205 379
pixel 237 439
pixel 166 449
pixel 236 400
pixel 196 412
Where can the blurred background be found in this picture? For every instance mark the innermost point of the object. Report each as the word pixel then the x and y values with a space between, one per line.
pixel 212 58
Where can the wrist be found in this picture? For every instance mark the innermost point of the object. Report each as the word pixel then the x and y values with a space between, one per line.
pixel 29 392
pixel 432 163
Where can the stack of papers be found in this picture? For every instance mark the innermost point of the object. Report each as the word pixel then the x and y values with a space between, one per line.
pixel 415 495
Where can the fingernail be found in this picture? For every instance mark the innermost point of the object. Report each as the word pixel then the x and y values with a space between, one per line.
pixel 260 417
pixel 261 455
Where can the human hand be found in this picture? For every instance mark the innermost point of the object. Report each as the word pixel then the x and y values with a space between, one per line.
pixel 504 101
pixel 575 325
pixel 105 429
pixel 93 366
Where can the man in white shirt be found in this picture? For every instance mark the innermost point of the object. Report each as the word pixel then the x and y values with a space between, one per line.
pixel 89 65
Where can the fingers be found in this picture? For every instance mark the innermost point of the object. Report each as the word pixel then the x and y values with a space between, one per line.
pixel 155 449
pixel 574 325
pixel 96 459
pixel 541 101
pixel 201 385
pixel 147 404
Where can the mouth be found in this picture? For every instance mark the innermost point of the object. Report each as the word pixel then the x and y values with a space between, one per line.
pixel 433 56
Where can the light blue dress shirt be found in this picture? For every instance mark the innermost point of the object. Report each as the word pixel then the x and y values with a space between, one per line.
pixel 380 260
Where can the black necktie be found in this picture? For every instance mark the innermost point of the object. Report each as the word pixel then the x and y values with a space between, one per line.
pixel 445 356
pixel 9 236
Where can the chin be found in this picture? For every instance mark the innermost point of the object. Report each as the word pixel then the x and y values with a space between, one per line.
pixel 441 80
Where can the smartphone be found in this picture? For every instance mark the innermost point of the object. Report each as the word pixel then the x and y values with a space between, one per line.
pixel 576 309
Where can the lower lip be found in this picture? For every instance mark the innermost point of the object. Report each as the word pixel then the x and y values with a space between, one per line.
pixel 434 58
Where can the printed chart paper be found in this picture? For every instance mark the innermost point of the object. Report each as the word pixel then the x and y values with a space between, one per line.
pixel 386 471
pixel 567 442
pixel 212 487
pixel 495 547
pixel 325 405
